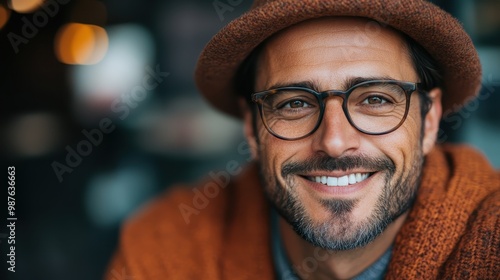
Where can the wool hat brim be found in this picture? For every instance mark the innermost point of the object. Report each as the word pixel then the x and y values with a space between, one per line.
pixel 437 31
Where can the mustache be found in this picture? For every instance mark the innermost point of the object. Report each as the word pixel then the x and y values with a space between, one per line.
pixel 326 163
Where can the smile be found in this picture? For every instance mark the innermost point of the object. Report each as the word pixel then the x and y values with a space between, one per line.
pixel 343 181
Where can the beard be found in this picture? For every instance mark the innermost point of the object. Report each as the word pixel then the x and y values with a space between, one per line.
pixel 339 232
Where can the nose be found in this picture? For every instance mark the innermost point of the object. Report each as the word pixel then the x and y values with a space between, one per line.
pixel 335 135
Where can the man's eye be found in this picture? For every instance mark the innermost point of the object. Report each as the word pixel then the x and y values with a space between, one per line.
pixel 296 104
pixel 375 100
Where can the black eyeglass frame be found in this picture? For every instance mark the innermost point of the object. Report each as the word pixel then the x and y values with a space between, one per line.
pixel 408 88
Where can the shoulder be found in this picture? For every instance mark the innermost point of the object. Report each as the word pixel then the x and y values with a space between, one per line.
pixel 484 223
pixel 204 205
pixel 173 236
pixel 477 255
pixel 180 206
pixel 453 227
pixel 183 233
pixel 182 214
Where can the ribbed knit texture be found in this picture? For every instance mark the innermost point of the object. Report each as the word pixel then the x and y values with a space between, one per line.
pixel 452 232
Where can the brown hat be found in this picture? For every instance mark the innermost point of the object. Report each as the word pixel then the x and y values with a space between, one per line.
pixel 437 31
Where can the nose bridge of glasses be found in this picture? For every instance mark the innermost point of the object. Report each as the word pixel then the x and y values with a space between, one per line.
pixel 335 107
pixel 330 94
pixel 336 134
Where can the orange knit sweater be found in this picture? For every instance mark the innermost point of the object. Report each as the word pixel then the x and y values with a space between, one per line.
pixel 452 231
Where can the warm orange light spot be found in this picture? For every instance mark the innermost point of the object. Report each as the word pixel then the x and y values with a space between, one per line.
pixel 78 43
pixel 4 16
pixel 25 6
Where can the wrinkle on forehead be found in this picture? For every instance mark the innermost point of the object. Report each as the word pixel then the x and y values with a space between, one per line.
pixel 340 44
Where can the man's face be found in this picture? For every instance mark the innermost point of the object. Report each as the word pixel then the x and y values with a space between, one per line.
pixel 327 53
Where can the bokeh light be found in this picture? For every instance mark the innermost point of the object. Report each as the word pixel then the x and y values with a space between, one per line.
pixel 33 134
pixel 25 6
pixel 4 15
pixel 95 87
pixel 78 43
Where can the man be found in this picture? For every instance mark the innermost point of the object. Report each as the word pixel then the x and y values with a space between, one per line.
pixel 341 102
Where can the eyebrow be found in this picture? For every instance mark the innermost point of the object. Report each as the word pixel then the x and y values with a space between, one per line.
pixel 348 83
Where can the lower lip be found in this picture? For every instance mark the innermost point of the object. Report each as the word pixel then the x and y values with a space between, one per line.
pixel 345 190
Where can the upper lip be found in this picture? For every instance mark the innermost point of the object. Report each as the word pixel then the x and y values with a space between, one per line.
pixel 338 173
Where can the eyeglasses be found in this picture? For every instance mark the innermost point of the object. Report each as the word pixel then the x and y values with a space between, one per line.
pixel 373 107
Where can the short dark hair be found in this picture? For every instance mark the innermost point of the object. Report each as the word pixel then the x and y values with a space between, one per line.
pixel 425 66
pixel 428 71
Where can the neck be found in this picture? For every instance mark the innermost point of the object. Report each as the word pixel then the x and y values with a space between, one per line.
pixel 312 262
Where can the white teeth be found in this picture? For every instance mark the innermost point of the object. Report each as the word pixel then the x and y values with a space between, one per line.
pixel 341 181
pixel 332 181
pixel 358 177
pixel 352 179
pixel 323 179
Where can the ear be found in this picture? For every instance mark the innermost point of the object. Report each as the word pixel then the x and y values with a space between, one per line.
pixel 431 121
pixel 248 128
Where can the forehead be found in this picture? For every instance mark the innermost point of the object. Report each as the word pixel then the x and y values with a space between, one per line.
pixel 327 51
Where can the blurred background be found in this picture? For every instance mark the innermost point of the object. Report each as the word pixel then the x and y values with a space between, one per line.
pixel 99 113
